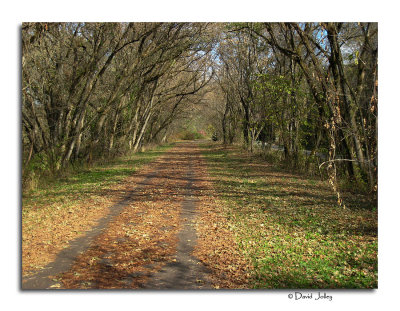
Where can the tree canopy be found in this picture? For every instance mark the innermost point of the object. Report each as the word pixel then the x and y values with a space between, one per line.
pixel 95 90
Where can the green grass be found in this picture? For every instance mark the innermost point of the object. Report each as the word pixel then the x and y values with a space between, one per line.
pixel 86 181
pixel 291 228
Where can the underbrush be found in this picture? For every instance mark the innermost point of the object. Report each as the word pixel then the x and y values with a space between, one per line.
pixel 310 165
pixel 191 135
pixel 290 227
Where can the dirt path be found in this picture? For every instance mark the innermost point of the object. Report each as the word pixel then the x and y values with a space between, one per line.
pixel 147 239
pixel 185 271
pixel 65 259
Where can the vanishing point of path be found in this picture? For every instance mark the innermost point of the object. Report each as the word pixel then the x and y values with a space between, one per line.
pixel 146 240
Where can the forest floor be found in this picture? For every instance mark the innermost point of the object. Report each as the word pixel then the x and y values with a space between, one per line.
pixel 195 216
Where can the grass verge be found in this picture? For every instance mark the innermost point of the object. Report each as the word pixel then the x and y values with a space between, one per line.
pixel 290 227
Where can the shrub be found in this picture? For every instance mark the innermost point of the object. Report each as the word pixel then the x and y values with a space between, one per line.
pixel 191 135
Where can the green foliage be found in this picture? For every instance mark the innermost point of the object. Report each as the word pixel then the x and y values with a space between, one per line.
pixel 42 166
pixel 191 135
pixel 276 86
pixel 214 137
